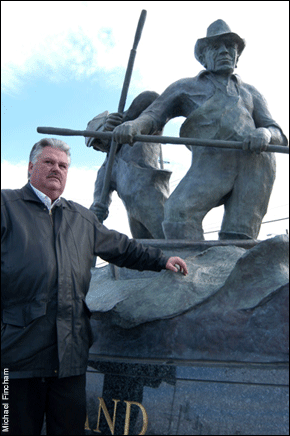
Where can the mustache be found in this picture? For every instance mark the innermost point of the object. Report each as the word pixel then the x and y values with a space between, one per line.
pixel 53 175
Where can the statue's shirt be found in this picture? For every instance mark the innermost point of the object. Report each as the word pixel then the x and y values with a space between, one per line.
pixel 209 102
pixel 239 179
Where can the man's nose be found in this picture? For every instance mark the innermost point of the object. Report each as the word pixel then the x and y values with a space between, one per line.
pixel 56 168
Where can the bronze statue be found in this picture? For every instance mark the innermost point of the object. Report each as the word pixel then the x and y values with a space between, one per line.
pixel 136 176
pixel 217 105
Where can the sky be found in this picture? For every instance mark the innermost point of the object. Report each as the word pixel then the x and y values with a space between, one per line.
pixel 61 66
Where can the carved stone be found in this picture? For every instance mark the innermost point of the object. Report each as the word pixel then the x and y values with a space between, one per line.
pixel 233 305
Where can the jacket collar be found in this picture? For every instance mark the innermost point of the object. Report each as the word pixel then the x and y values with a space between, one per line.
pixel 30 195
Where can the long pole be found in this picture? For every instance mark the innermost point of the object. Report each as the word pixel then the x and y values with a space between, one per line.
pixel 114 145
pixel 160 139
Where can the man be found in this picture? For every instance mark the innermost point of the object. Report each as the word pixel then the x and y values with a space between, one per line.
pixel 217 105
pixel 136 175
pixel 47 246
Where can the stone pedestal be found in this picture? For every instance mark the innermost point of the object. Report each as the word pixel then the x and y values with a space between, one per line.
pixel 215 362
pixel 190 398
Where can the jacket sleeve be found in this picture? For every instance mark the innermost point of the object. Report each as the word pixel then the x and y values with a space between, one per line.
pixel 117 248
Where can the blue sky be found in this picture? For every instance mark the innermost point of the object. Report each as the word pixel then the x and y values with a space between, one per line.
pixel 63 65
pixel 42 103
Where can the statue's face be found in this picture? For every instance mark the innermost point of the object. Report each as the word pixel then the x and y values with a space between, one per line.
pixel 221 57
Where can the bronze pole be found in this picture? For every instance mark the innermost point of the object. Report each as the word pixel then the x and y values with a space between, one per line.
pixel 160 139
pixel 114 145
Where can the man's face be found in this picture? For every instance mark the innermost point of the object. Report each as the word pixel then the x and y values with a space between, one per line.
pixel 221 57
pixel 49 173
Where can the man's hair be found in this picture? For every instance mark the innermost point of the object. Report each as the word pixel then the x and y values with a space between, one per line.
pixel 48 142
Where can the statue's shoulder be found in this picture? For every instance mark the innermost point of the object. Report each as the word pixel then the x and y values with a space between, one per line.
pixel 246 86
pixel 188 83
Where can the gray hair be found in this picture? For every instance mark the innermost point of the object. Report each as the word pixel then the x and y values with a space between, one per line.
pixel 48 142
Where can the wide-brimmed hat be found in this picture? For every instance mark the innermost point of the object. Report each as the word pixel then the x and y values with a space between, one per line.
pixel 218 30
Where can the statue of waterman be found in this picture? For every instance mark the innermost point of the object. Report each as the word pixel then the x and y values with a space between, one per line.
pixel 217 105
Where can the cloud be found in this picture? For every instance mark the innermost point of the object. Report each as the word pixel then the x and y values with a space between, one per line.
pixel 54 38
pixel 60 42
pixel 13 176
pixel 80 40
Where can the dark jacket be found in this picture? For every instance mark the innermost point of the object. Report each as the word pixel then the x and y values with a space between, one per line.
pixel 45 263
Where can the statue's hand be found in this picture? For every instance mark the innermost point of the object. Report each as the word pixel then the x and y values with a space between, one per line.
pixel 258 140
pixel 125 133
pixel 113 120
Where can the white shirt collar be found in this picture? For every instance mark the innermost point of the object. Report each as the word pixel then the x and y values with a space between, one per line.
pixel 44 198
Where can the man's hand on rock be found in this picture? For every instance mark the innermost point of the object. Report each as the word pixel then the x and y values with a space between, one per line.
pixel 174 262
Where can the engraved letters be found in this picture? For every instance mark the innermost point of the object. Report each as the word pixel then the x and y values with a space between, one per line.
pixel 111 421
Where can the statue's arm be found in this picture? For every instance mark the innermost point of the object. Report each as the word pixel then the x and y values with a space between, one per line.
pixel 267 130
pixel 277 136
pixel 167 106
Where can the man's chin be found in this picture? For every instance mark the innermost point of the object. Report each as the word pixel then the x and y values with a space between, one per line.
pixel 53 183
pixel 55 188
pixel 53 179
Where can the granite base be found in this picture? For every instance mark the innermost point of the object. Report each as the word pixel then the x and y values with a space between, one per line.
pixel 192 398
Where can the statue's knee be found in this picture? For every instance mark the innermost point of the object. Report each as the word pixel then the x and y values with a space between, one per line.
pixel 174 211
pixel 182 230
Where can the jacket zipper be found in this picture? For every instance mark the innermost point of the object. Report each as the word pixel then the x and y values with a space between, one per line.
pixel 50 214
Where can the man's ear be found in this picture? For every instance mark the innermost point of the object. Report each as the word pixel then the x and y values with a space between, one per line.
pixel 30 167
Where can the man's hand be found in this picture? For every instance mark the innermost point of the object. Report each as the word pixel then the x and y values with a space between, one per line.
pixel 173 261
pixel 258 140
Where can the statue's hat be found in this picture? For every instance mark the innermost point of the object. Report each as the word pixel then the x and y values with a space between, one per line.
pixel 218 30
